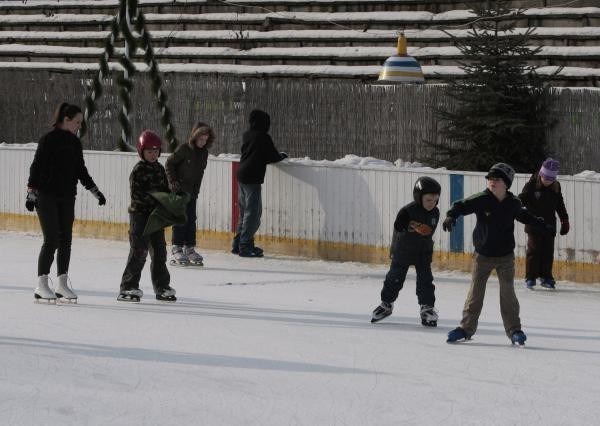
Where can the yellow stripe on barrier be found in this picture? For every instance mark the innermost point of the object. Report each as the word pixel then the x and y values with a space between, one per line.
pixel 213 240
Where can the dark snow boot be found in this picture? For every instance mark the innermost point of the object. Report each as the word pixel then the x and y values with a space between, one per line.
pixel 251 252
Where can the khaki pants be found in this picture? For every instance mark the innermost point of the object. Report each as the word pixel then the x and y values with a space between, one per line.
pixel 509 305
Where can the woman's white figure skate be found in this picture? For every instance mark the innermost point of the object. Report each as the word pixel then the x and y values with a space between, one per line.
pixel 42 292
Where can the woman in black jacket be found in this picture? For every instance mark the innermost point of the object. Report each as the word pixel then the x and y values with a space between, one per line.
pixel 51 189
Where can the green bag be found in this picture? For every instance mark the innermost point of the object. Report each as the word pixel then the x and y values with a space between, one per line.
pixel 169 211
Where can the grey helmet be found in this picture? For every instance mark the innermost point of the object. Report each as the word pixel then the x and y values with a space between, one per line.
pixel 503 171
pixel 425 185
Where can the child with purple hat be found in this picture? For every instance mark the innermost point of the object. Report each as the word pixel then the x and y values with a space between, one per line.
pixel 542 196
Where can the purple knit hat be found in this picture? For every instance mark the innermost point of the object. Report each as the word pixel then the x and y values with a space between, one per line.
pixel 549 170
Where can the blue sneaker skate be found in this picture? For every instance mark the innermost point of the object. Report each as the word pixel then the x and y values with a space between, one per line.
pixel 530 284
pixel 457 334
pixel 518 337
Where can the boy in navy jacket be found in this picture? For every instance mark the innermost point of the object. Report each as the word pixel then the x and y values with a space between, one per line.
pixel 496 209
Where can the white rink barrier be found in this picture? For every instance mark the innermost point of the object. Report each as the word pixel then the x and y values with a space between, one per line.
pixel 312 209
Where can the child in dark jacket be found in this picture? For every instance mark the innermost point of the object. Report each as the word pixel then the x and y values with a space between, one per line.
pixel 148 175
pixel 258 150
pixel 542 196
pixel 493 237
pixel 185 170
pixel 412 244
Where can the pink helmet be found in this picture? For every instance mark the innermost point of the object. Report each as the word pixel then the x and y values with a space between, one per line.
pixel 148 140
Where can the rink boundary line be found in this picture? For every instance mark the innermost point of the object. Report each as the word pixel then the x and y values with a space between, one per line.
pixel 324 250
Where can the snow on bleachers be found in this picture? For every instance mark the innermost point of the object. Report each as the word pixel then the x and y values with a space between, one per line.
pixel 72 31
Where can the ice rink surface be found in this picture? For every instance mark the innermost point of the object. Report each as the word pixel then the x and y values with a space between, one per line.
pixel 283 341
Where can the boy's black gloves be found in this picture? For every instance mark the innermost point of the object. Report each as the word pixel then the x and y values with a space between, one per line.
pixel 448 224
pixel 99 196
pixel 564 227
pixel 31 200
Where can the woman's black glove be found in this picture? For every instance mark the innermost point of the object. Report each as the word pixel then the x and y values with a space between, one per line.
pixel 31 200
pixel 564 227
pixel 99 195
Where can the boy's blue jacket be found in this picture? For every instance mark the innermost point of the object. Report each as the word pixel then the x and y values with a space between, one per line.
pixel 494 233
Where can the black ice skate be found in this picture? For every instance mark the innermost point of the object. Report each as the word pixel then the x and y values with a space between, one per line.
pixel 131 296
pixel 429 316
pixel 166 295
pixel 194 258
pixel 384 310
pixel 179 258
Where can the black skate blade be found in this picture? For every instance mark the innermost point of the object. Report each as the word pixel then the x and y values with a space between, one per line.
pixel 429 323
pixel 179 264
pixel 169 299
pixel 128 299
pixel 374 320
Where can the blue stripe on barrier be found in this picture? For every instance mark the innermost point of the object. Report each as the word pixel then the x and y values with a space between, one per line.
pixel 457 192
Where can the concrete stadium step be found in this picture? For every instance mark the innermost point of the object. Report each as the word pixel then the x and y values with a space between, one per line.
pixel 552 36
pixel 556 76
pixel 587 57
pixel 548 17
pixel 249 6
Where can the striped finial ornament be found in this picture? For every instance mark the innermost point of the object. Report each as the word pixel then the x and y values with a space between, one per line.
pixel 401 68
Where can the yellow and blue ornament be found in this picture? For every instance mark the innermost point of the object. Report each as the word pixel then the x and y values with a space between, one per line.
pixel 401 68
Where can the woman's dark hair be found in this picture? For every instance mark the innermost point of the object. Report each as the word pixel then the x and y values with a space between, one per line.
pixel 65 110
pixel 199 129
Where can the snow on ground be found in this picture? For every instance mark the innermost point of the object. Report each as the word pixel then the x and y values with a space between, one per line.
pixel 283 341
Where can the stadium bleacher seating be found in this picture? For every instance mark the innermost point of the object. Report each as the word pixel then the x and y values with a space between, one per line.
pixel 263 33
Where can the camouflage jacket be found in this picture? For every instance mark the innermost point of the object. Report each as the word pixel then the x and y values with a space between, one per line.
pixel 145 178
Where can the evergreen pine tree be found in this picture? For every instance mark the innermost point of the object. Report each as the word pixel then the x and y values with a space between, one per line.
pixel 500 113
